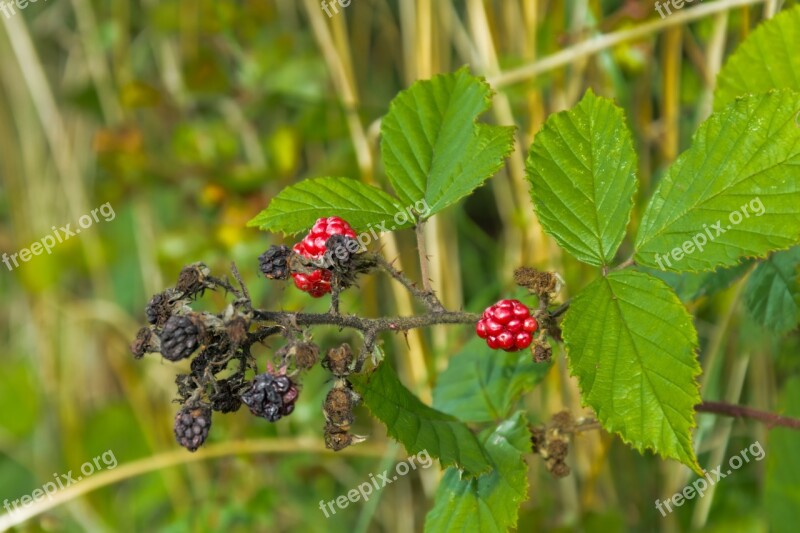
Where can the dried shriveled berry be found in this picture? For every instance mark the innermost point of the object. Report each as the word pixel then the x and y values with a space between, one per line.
pixel 179 338
pixel 225 398
pixel 274 263
pixel 339 360
pixel 337 439
pixel 192 279
pixel 145 342
pixel 160 308
pixel 507 325
pixel 192 424
pixel 305 355
pixel 542 352
pixel 338 407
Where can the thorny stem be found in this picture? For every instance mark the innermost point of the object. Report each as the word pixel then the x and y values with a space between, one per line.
pixel 365 325
pixel 427 297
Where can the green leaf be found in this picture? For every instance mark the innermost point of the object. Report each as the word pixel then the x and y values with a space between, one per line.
pixel 490 502
pixel 432 148
pixel 772 294
pixel 631 344
pixel 781 490
pixel 297 207
pixel 417 426
pixel 734 193
pixel 690 286
pixel 582 169
pixel 482 385
pixel 767 59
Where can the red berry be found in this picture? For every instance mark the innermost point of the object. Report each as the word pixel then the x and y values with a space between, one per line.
pixel 503 315
pixel 312 246
pixel 523 340
pixel 494 328
pixel 507 325
pixel 506 340
pixel 514 326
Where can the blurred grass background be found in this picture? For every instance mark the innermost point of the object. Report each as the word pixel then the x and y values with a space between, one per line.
pixel 188 116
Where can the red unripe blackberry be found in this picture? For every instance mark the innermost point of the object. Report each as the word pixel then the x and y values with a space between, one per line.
pixel 507 325
pixel 312 246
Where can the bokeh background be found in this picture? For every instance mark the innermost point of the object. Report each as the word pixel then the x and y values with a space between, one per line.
pixel 187 116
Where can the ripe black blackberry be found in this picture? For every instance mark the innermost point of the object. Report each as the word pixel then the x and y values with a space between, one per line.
pixel 192 424
pixel 271 396
pixel 179 338
pixel 274 263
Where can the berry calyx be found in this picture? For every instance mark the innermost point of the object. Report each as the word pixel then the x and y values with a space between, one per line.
pixel 507 325
pixel 313 246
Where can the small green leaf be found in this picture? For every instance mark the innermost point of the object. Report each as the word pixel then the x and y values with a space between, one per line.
pixel 772 294
pixel 582 169
pixel 631 344
pixel 734 193
pixel 417 426
pixel 489 503
pixel 482 385
pixel 767 59
pixel 432 148
pixel 297 207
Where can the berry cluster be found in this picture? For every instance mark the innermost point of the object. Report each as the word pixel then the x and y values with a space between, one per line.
pixel 507 325
pixel 218 345
pixel 271 396
pixel 314 246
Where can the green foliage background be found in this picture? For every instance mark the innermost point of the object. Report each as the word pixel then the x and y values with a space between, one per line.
pixel 189 117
